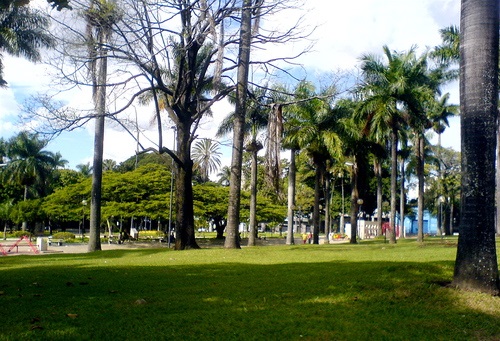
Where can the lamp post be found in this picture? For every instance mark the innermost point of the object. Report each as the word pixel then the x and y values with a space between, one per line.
pixel 440 220
pixel 84 203
pixel 171 191
pixel 360 204
pixel 360 217
pixel 341 223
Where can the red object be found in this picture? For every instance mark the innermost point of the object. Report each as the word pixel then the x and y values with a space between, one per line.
pixel 16 245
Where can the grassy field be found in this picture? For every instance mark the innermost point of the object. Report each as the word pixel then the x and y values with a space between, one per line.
pixel 369 291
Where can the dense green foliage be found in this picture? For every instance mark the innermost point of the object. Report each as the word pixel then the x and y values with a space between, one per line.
pixel 63 235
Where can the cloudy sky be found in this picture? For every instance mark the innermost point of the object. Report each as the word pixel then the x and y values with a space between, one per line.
pixel 344 31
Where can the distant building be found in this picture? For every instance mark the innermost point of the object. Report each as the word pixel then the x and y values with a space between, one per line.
pixel 430 224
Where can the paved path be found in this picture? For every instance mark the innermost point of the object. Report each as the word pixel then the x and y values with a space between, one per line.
pixel 82 247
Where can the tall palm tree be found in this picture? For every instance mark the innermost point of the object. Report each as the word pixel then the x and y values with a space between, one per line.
pixel 448 52
pixel 23 32
pixel 224 175
pixel 313 129
pixel 29 164
pixel 206 157
pixel 393 93
pixel 108 165
pixel 256 119
pixel 379 109
pixel 233 216
pixel 59 161
pixel 476 265
pixel 441 110
pixel 356 150
pixel 85 169
pixel 100 18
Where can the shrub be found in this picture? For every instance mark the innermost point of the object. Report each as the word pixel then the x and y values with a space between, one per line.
pixel 19 234
pixel 63 235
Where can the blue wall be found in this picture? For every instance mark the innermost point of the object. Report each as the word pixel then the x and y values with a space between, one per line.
pixel 430 224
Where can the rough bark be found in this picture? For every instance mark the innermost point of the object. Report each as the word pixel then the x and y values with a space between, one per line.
pixel 185 236
pixel 476 266
pixel 233 216
pixel 497 193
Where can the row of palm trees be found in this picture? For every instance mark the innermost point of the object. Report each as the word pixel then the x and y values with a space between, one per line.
pixel 395 102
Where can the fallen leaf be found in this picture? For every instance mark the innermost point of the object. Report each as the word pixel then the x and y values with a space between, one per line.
pixel 36 327
pixel 140 301
pixel 73 316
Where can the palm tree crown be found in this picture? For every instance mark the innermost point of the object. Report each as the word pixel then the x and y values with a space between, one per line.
pixel 206 157
pixel 28 163
pixel 23 31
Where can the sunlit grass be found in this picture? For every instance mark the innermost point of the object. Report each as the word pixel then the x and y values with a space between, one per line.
pixel 372 291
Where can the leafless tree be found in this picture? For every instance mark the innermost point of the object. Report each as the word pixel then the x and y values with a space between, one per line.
pixel 179 57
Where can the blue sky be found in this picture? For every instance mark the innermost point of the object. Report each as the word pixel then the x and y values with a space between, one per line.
pixel 345 30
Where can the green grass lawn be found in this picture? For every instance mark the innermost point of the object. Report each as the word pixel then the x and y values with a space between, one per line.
pixel 369 291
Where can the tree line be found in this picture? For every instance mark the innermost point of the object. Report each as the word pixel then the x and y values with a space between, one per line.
pixel 181 57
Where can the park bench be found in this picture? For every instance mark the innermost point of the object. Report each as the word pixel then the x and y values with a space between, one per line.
pixel 58 242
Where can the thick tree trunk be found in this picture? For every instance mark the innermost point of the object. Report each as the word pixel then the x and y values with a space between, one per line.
pixel 100 105
pixel 233 213
pixel 184 220
pixel 291 198
pixel 95 200
pixel 476 266
pixel 497 192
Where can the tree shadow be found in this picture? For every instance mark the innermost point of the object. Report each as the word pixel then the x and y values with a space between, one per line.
pixel 337 300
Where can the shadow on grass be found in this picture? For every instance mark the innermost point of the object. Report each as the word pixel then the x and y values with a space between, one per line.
pixel 334 300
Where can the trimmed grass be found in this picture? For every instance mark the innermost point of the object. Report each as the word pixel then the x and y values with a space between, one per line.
pixel 370 291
